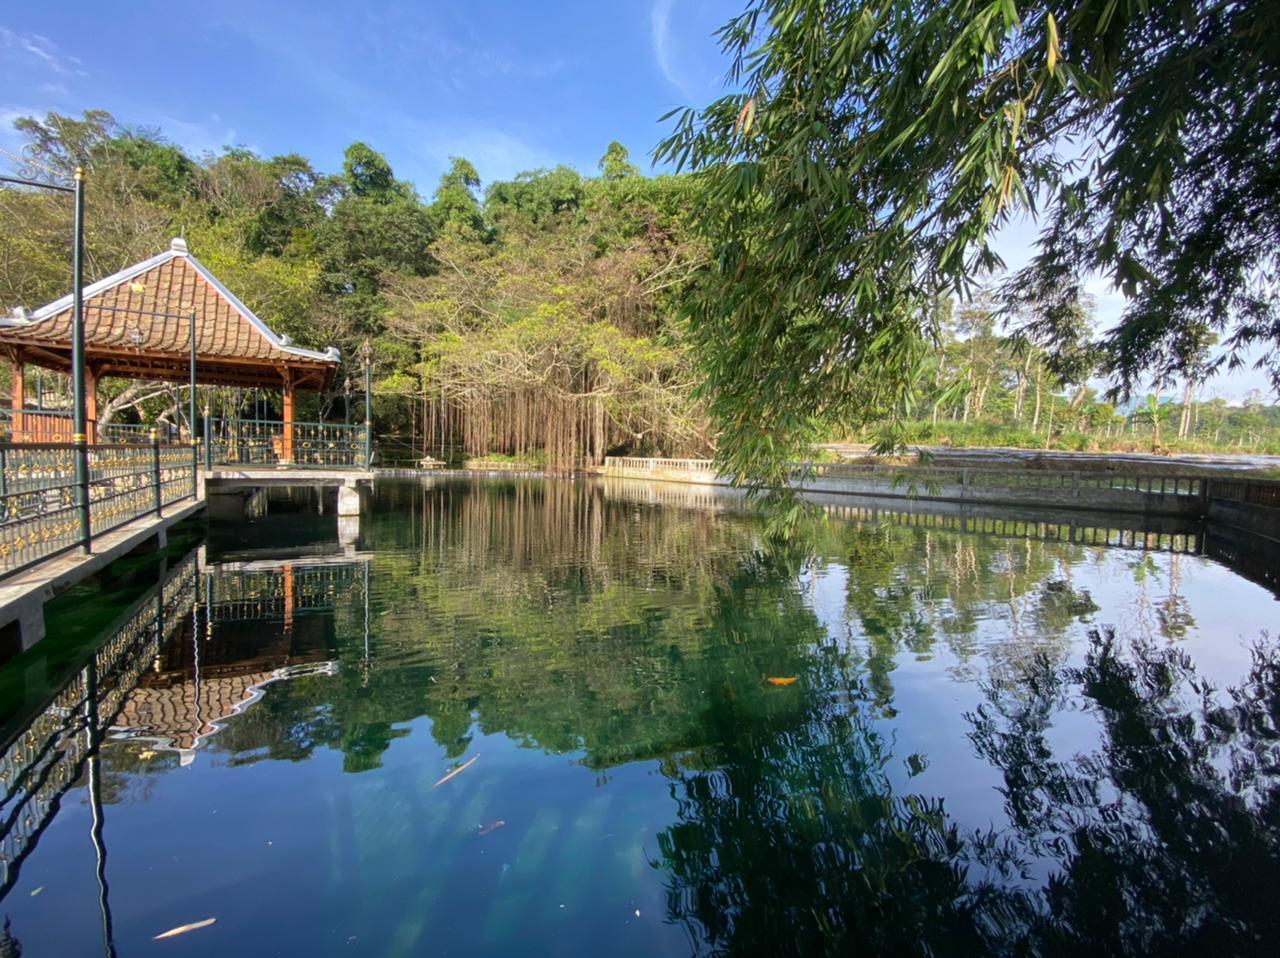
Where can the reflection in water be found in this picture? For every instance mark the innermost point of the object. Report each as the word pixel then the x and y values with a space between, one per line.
pixel 965 762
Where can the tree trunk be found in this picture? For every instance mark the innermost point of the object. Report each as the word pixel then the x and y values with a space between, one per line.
pixel 1184 421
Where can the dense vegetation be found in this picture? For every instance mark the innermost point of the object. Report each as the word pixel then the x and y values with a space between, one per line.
pixel 537 318
pixel 984 387
pixel 870 149
pixel 555 318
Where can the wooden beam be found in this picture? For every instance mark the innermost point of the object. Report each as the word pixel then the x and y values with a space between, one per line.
pixel 286 440
pixel 91 401
pixel 17 425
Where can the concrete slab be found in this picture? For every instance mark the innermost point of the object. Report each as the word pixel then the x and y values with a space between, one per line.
pixel 234 477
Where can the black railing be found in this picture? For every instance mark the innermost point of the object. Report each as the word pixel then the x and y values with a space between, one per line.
pixel 46 758
pixel 39 514
pixel 263 442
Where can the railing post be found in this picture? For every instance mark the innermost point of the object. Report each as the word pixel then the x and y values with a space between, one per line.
pixel 79 426
pixel 155 469
pixel 368 413
pixel 4 468
pixel 208 442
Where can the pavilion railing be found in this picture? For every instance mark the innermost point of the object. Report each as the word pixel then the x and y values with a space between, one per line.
pixel 39 515
pixel 36 425
pixel 263 442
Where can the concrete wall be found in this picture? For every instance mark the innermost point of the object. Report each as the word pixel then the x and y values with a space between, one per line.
pixel 909 485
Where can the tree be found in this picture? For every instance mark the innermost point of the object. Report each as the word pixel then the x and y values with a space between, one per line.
pixel 615 164
pixel 368 173
pixel 58 144
pixel 871 150
pixel 454 208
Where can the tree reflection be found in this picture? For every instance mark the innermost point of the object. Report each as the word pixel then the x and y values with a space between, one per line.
pixel 1165 839
pixel 575 624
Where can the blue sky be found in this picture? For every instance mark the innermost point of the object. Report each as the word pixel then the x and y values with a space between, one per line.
pixel 511 86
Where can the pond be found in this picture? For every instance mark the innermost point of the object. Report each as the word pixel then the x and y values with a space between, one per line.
pixel 572 718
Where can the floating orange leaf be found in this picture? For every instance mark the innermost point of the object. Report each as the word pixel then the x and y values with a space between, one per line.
pixel 780 680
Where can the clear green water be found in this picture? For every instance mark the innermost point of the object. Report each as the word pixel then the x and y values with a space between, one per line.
pixel 991 744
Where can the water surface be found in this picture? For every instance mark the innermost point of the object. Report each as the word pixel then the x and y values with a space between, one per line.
pixel 562 718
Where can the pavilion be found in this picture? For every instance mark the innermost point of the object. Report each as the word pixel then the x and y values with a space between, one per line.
pixel 138 325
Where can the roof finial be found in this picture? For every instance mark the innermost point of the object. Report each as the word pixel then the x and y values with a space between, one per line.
pixel 179 245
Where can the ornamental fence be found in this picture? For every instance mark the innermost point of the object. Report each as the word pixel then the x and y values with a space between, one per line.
pixel 47 756
pixel 45 511
pixel 262 442
pixel 1078 489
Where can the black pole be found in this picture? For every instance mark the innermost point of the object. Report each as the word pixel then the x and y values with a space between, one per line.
pixel 191 414
pixel 94 735
pixel 78 424
pixel 155 470
pixel 368 408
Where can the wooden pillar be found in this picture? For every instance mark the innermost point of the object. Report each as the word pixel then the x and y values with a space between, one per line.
pixel 286 439
pixel 91 402
pixel 18 426
pixel 288 598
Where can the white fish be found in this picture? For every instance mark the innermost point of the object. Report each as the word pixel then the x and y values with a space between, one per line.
pixel 456 771
pixel 183 929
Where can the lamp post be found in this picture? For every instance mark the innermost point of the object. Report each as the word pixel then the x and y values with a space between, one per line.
pixel 346 404
pixel 368 409
pixel 79 438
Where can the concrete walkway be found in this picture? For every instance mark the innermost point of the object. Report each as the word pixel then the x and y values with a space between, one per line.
pixel 23 595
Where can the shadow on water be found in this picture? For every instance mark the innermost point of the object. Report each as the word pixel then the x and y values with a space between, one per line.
pixel 576 619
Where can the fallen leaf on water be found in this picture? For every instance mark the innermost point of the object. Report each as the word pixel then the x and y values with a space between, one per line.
pixel 37 891
pixel 183 929
pixel 491 827
pixel 779 680
pixel 456 771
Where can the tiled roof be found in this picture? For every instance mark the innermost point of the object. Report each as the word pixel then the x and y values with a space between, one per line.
pixel 120 319
pixel 183 714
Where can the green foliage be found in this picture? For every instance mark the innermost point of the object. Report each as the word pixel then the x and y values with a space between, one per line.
pixel 454 207
pixel 537 323
pixel 872 149
pixel 540 198
pixel 368 174
pixel 616 163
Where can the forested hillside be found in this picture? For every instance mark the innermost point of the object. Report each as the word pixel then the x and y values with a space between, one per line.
pixel 530 318
pixel 542 319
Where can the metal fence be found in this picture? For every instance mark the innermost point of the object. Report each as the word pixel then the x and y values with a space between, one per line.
pixel 48 755
pixel 39 511
pixel 262 442
pixel 1057 480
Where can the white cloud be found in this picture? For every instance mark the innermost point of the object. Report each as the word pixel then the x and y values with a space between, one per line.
pixel 40 51
pixel 662 46
pixel 496 154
